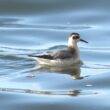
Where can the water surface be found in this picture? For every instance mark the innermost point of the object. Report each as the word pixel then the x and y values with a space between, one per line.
pixel 37 27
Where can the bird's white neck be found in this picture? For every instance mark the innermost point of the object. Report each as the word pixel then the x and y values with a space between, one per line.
pixel 73 45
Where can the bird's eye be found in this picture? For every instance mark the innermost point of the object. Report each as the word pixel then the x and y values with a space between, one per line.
pixel 76 37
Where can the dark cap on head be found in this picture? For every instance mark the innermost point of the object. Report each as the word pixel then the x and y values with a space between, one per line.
pixel 74 33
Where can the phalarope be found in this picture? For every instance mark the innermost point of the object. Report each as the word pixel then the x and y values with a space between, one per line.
pixel 65 57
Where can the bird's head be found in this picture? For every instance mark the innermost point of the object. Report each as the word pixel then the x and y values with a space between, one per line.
pixel 74 38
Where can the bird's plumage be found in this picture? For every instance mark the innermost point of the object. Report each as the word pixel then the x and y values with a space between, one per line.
pixel 63 57
pixel 64 54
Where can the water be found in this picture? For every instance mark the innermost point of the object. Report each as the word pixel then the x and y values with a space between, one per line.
pixel 38 26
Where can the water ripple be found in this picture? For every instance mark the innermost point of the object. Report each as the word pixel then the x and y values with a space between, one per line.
pixel 15 23
pixel 44 27
pixel 53 92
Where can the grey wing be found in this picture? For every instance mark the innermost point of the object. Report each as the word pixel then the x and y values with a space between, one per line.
pixel 63 54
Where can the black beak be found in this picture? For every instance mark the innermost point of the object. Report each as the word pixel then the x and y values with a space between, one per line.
pixel 83 40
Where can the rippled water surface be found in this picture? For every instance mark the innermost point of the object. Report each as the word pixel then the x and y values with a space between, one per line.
pixel 40 26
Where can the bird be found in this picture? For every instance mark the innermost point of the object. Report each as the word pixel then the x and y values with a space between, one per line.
pixel 65 57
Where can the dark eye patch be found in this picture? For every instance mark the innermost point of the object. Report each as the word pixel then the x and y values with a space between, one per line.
pixel 76 37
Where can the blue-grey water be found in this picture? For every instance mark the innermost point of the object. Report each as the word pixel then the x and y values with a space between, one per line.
pixel 40 26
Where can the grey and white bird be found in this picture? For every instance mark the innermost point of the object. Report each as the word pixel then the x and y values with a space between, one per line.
pixel 65 57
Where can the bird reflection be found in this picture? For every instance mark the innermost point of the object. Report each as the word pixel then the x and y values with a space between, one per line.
pixel 70 93
pixel 73 93
pixel 42 92
pixel 74 71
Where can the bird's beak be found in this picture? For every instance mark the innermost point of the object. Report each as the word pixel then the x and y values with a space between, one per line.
pixel 83 40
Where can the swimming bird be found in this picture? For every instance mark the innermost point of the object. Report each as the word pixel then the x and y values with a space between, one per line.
pixel 65 57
